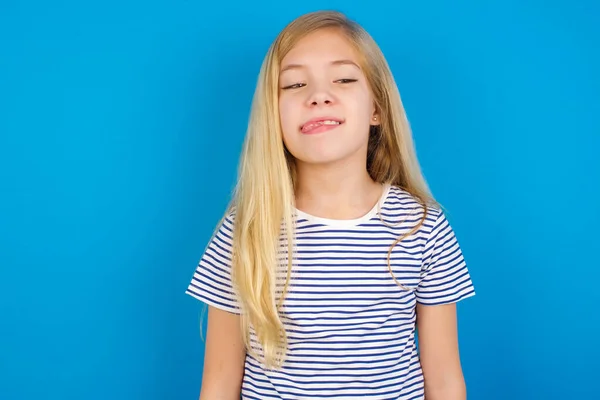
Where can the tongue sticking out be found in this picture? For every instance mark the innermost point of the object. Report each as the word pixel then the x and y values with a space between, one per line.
pixel 319 126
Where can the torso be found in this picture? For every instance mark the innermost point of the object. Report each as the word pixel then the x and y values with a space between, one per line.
pixel 350 326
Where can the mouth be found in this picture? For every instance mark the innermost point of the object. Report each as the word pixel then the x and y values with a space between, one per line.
pixel 320 125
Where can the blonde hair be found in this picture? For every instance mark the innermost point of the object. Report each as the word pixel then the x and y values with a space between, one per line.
pixel 263 200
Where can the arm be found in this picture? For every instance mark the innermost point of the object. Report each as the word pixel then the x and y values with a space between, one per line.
pixel 438 345
pixel 224 357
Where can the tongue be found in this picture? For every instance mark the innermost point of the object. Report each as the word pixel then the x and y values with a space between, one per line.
pixel 312 126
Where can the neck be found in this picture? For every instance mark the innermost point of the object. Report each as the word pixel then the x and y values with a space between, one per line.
pixel 336 192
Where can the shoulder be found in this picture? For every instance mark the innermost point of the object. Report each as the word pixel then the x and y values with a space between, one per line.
pixel 222 236
pixel 401 205
pixel 227 220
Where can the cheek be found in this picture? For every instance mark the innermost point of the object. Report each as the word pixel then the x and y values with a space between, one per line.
pixel 365 105
pixel 287 116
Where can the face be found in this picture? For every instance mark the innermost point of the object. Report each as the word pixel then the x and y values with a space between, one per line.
pixel 326 106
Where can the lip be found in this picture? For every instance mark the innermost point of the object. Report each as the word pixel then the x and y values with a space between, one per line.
pixel 319 119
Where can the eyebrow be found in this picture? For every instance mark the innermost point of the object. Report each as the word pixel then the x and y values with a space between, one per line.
pixel 336 62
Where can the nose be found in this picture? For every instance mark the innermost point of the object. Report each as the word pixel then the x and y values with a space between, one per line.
pixel 319 96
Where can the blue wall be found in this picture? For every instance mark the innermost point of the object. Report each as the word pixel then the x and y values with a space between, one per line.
pixel 120 127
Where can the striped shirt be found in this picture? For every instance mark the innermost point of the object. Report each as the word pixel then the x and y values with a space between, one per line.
pixel 350 325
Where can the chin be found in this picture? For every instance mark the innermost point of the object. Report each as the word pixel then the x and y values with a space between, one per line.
pixel 322 159
pixel 331 152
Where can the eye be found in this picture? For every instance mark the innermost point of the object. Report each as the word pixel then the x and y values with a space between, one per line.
pixel 294 86
pixel 347 80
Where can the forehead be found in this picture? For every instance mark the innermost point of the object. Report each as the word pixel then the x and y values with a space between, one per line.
pixel 321 47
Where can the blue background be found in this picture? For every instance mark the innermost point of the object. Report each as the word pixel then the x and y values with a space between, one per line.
pixel 120 128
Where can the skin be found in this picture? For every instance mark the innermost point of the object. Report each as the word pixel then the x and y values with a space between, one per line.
pixel 223 358
pixel 440 358
pixel 320 77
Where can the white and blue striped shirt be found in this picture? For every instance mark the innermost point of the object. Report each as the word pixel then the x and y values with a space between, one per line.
pixel 350 326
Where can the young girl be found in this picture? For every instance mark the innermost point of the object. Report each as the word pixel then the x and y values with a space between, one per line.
pixel 332 258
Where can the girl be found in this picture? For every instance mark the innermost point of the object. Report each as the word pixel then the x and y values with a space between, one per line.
pixel 332 254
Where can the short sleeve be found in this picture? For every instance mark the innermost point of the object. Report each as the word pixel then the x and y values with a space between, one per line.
pixel 444 277
pixel 212 282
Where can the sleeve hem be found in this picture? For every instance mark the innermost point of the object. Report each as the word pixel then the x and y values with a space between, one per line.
pixel 446 300
pixel 213 303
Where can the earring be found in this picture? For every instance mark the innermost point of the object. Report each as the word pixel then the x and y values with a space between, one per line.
pixel 375 118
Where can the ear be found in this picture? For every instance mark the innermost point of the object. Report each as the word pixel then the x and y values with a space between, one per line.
pixel 375 119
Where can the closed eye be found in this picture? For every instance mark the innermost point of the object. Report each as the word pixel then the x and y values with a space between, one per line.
pixel 294 86
pixel 299 85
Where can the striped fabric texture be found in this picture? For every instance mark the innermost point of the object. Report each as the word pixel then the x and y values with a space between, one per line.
pixel 350 321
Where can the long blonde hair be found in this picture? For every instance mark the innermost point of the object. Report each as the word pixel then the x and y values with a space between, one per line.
pixel 263 201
